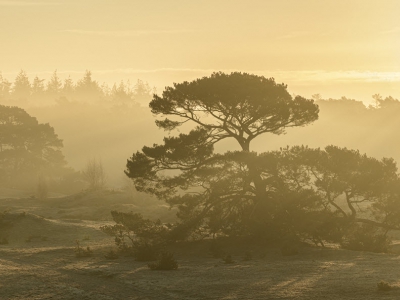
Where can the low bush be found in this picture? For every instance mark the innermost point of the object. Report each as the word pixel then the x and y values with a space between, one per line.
pixel 366 238
pixel 137 236
pixel 247 256
pixel 7 220
pixel 290 246
pixel 82 252
pixel 111 255
pixel 143 251
pixel 216 249
pixel 228 259
pixel 384 286
pixel 166 262
pixel 133 231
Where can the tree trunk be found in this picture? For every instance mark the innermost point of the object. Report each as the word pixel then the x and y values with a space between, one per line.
pixel 256 180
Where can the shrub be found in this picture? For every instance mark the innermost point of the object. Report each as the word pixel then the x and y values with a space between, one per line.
pixel 247 256
pixel 137 236
pixel 94 174
pixel 111 255
pixel 4 220
pixel 166 262
pixel 289 250
pixel 143 251
pixel 216 249
pixel 132 228
pixel 384 286
pixel 228 259
pixel 290 246
pixel 7 220
pixel 366 238
pixel 82 252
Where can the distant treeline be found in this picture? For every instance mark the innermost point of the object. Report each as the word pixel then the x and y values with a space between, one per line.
pixel 25 90
pixel 109 124
pixel 347 123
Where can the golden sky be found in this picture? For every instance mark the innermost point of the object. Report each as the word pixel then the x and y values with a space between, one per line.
pixel 335 48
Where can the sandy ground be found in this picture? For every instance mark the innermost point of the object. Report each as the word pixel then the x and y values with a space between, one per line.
pixel 39 262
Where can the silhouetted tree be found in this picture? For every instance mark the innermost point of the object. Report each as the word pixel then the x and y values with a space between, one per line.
pixel 94 174
pixel 26 146
pixel 21 89
pixel 223 191
pixel 54 85
pixel 142 92
pixel 5 87
pixel 37 87
pixel 121 93
pixel 68 87
pixel 239 106
pixel 88 88
pixel 384 103
pixel 352 187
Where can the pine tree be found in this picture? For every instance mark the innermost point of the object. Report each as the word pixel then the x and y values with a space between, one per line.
pixel 21 89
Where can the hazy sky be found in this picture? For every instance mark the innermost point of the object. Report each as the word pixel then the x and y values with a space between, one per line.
pixel 335 48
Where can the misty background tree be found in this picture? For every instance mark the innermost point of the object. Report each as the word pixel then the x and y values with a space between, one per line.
pixel 119 109
pixel 233 192
pixel 21 89
pixel 29 151
pixel 94 174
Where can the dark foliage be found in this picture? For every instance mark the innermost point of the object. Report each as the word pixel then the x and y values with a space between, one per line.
pixel 81 251
pixel 366 237
pixel 165 262
pixel 289 249
pixel 307 193
pixel 27 147
pixel 143 251
pixel 7 220
pixel 216 249
pixel 111 255
pixel 247 256
pixel 137 236
pixel 237 103
pixel 383 286
pixel 228 259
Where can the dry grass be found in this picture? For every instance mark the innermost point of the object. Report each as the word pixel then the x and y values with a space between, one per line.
pixel 48 269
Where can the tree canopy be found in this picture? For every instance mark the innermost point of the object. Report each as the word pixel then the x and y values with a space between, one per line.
pixel 26 146
pixel 223 191
pixel 334 194
pixel 237 105
pixel 350 184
